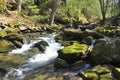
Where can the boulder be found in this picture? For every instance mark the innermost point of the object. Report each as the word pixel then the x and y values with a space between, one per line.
pixel 107 52
pixel 6 46
pixel 98 73
pixel 41 45
pixel 88 40
pixel 14 36
pixel 18 44
pixel 73 52
pixel 72 32
pixel 117 73
pixel 2 33
pixel 11 30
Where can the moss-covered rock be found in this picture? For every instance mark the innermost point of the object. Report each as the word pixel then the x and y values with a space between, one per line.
pixel 18 44
pixel 99 73
pixel 107 51
pixel 11 30
pixel 2 33
pixel 90 75
pixel 6 46
pixel 14 36
pixel 117 72
pixel 11 61
pixel 76 48
pixel 73 52
pixel 72 32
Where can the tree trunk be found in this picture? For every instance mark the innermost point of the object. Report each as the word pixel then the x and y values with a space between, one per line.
pixel 20 5
pixel 52 16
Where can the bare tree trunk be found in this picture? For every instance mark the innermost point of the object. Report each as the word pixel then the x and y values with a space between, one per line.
pixel 52 16
pixel 119 7
pixel 104 7
pixel 20 5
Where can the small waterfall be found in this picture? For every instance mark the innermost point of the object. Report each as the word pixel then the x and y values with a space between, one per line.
pixel 36 61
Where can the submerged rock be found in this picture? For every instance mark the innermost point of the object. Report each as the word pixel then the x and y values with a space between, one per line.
pixel 73 52
pixel 8 61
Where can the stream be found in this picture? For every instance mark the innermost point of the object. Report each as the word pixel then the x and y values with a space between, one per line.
pixel 37 61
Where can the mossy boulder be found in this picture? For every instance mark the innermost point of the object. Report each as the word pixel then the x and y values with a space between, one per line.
pixel 98 73
pixel 72 32
pixel 107 51
pixel 90 75
pixel 2 33
pixel 18 44
pixel 11 30
pixel 117 72
pixel 8 61
pixel 6 46
pixel 14 36
pixel 73 52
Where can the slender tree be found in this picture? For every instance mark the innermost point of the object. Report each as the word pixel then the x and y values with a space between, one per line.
pixel 104 5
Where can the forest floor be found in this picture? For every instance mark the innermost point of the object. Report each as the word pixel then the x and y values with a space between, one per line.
pixel 10 16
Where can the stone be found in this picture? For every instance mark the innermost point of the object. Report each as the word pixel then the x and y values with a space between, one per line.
pixel 6 46
pixel 2 33
pixel 41 45
pixel 73 52
pixel 98 73
pixel 88 40
pixel 107 51
pixel 14 36
pixel 60 63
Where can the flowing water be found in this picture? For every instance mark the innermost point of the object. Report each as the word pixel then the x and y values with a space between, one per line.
pixel 37 61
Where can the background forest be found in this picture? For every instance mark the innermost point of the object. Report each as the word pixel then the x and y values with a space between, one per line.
pixel 64 11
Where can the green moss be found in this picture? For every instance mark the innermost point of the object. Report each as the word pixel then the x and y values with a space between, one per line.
pixel 75 48
pixel 105 78
pixel 101 70
pixel 3 33
pixel 118 69
pixel 6 46
pixel 91 75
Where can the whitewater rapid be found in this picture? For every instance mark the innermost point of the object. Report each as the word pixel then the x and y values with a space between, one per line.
pixel 37 60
